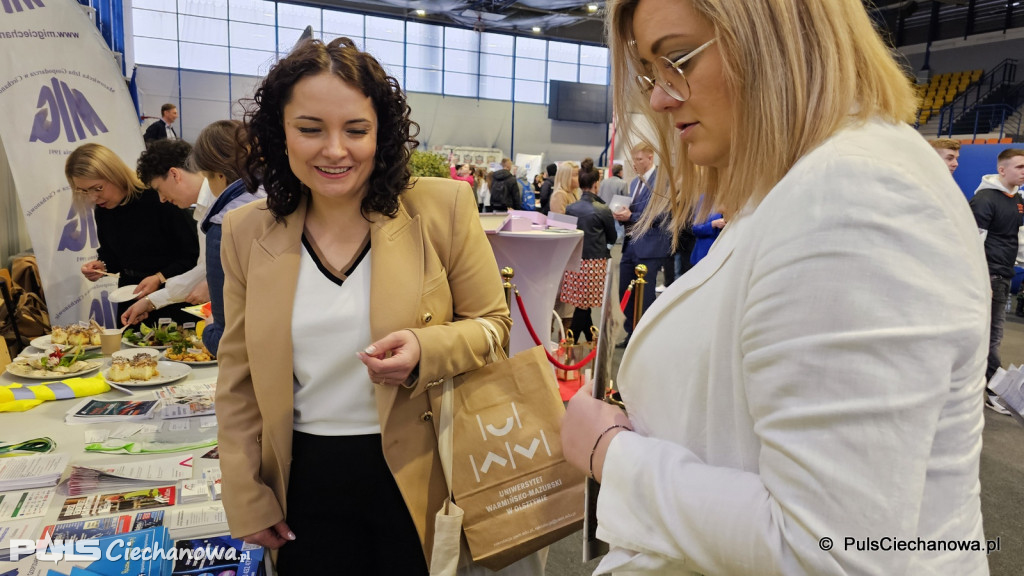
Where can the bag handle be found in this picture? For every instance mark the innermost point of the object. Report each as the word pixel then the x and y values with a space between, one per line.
pixel 445 438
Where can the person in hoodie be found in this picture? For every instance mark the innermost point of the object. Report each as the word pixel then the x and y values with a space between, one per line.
pixel 999 211
pixel 504 191
pixel 219 153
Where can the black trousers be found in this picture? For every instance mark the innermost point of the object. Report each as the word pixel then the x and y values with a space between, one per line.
pixel 627 274
pixel 346 511
pixel 1000 296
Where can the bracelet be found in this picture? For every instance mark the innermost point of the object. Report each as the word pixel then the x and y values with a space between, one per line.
pixel 598 442
pixel 160 276
pixel 150 300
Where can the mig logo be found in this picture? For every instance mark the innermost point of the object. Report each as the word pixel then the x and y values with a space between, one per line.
pixel 79 230
pixel 12 6
pixel 60 105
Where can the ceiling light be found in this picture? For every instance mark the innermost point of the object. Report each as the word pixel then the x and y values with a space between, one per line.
pixel 591 7
pixel 421 12
pixel 536 29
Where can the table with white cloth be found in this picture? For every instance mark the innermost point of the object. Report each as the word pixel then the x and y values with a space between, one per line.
pixel 538 258
pixel 48 420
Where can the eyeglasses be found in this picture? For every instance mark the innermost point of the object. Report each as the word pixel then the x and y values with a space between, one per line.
pixel 91 191
pixel 666 72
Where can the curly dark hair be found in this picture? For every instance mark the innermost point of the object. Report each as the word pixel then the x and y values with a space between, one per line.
pixel 161 156
pixel 396 132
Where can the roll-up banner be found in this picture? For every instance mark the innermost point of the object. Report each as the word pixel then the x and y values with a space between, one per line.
pixel 60 87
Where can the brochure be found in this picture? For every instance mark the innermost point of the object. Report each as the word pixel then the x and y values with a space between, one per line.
pixel 103 504
pixel 195 398
pixel 90 410
pixel 25 504
pixel 196 521
pixel 23 529
pixel 217 556
pixel 86 529
pixel 145 520
pixel 117 557
pixel 31 471
pixel 123 475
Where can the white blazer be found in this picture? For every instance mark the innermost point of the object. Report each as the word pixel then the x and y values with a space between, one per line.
pixel 818 375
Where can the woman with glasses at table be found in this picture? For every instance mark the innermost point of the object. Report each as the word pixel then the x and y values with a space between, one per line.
pixel 795 394
pixel 141 239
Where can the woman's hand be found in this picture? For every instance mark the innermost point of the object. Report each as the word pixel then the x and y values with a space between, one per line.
pixel 148 285
pixel 718 223
pixel 137 312
pixel 585 419
pixel 93 270
pixel 622 214
pixel 391 359
pixel 200 294
pixel 272 538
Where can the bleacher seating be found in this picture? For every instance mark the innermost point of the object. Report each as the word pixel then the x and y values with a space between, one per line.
pixel 941 90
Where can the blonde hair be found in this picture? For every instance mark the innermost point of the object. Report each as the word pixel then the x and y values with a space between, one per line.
pixel 798 70
pixel 563 178
pixel 945 144
pixel 97 162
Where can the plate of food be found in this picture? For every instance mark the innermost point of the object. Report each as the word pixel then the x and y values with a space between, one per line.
pixel 73 335
pixel 190 350
pixel 159 338
pixel 191 356
pixel 57 364
pixel 144 370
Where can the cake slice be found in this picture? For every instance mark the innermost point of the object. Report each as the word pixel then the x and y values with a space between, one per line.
pixel 143 367
pixel 120 370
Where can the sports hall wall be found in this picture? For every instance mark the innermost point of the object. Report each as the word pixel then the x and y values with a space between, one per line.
pixel 983 51
pixel 520 128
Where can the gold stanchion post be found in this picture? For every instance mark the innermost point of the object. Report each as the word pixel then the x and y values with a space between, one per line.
pixel 638 293
pixel 507 273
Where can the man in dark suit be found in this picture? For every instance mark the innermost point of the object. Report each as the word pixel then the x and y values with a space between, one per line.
pixel 653 249
pixel 162 128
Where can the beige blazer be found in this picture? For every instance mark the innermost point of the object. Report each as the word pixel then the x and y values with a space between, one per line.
pixel 433 270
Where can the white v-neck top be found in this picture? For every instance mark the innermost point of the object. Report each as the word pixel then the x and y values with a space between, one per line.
pixel 330 322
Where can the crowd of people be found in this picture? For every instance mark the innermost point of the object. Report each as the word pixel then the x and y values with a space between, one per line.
pixel 793 382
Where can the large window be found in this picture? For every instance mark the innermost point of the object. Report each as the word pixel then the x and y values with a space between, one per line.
pixel 247 36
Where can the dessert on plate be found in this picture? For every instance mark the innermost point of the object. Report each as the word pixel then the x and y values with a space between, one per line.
pixel 139 367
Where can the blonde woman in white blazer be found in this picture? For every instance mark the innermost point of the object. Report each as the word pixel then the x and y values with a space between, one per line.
pixel 808 398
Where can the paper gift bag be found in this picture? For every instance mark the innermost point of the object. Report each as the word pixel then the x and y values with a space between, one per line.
pixel 508 473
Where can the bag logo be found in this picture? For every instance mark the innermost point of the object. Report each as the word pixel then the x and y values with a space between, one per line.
pixel 508 451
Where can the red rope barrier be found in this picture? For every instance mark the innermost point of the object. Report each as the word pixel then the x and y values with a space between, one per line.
pixel 625 298
pixel 536 340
